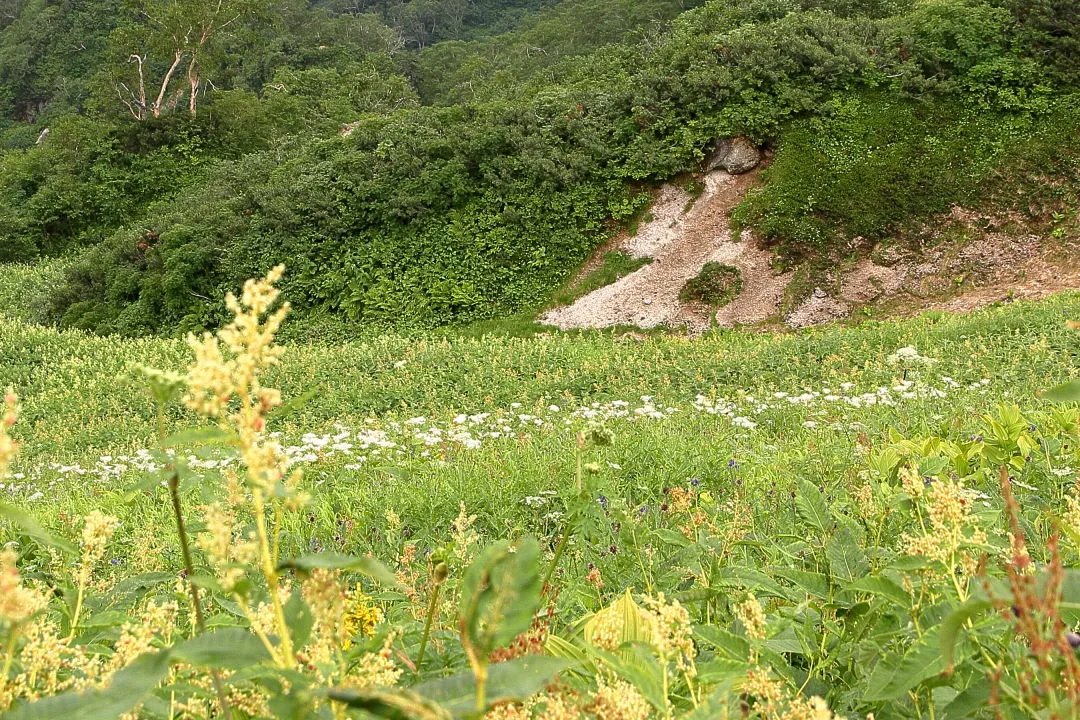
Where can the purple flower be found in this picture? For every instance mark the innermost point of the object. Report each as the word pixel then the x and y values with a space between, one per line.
pixel 1073 639
pixel 695 481
pixel 603 501
pixel 732 464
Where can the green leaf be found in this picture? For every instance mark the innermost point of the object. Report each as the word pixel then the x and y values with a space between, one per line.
pixel 507 682
pixel 847 560
pixel 298 618
pixel 32 529
pixel 500 594
pixel 810 503
pixel 367 566
pixel 228 648
pixel 812 583
pixel 950 629
pixel 969 702
pixel 128 688
pixel 200 436
pixel 891 679
pixel 881 587
pixel 390 703
pixel 1064 393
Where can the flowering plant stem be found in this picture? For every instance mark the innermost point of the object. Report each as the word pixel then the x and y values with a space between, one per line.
pixel 427 625
pixel 189 566
pixel 9 656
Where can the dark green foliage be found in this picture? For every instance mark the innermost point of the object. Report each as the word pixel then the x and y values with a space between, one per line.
pixel 532 145
pixel 875 164
pixel 717 285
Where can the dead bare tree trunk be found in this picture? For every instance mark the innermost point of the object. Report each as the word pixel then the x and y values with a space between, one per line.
pixel 156 108
pixel 193 82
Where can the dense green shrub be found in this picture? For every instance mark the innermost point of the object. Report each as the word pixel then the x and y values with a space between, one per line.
pixel 435 215
pixel 717 285
pixel 875 164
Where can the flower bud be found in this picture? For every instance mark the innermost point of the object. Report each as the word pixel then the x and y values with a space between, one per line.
pixel 440 574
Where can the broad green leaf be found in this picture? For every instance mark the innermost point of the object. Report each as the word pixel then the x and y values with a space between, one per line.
pixel 128 688
pixel 847 561
pixel 227 648
pixel 810 502
pixel 200 436
pixel 367 566
pixel 753 580
pixel 671 537
pixel 639 666
pixel 390 703
pixel 507 682
pixel 32 529
pixel 968 703
pixel 724 702
pixel 728 643
pixel 812 583
pixel 881 587
pixel 891 679
pixel 500 594
pixel 950 629
pixel 299 618
pixel 1066 392
pixel 719 669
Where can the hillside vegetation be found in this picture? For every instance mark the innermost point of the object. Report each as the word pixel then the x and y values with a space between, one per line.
pixel 479 169
pixel 270 449
pixel 809 515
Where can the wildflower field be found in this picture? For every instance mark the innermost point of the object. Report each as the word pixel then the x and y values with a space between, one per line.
pixel 880 520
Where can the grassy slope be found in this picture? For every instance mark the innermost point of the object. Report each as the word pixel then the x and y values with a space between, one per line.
pixel 77 404
pixel 368 498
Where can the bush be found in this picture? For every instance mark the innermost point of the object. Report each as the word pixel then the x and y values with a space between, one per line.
pixel 717 285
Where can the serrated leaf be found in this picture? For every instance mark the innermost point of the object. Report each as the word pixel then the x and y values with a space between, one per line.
pixel 229 648
pixel 812 583
pixel 34 531
pixel 891 679
pixel 847 561
pixel 369 567
pixel 124 693
pixel 810 503
pixel 881 587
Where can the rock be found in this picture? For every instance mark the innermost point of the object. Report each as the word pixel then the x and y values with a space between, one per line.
pixel 735 155
pixel 819 293
pixel 647 301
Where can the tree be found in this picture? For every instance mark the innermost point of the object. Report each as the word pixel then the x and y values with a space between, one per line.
pixel 169 35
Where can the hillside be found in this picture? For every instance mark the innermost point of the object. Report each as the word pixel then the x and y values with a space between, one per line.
pixel 540 360
pixel 478 173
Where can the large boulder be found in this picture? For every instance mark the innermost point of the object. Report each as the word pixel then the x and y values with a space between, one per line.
pixel 735 155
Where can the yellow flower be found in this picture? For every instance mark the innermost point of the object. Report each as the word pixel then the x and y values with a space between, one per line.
pixel 8 447
pixel 17 602
pixel 752 617
pixel 361 617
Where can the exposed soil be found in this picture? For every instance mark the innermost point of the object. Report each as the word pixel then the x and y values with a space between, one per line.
pixel 681 242
pixel 968 261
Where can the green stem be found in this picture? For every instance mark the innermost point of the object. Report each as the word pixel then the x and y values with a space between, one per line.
pixel 189 570
pixel 9 656
pixel 427 625
pixel 559 550
pixel 78 603
pixel 481 688
pixel 189 565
